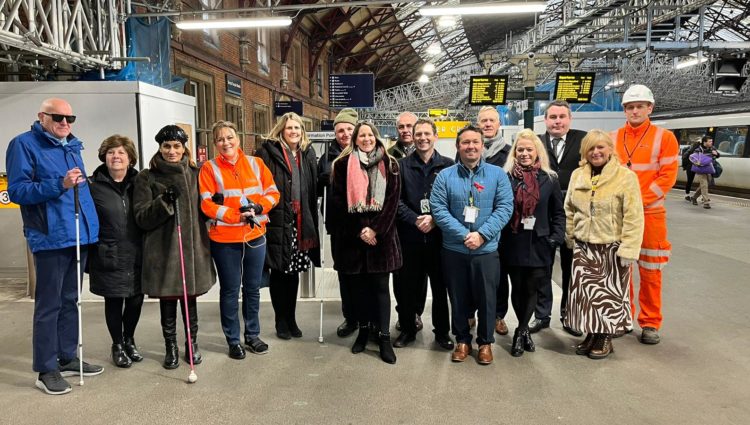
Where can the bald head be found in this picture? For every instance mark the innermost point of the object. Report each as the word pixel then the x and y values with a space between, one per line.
pixel 51 107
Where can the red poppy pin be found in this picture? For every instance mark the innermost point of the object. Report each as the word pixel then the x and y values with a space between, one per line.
pixel 479 187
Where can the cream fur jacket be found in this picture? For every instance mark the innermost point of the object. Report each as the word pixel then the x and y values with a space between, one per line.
pixel 614 213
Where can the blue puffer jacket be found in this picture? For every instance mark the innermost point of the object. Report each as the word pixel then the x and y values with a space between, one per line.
pixel 36 164
pixel 490 188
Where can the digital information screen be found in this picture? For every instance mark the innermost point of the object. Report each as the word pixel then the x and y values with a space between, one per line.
pixel 574 87
pixel 488 89
pixel 351 91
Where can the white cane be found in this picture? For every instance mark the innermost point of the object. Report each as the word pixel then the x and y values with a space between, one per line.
pixel 323 258
pixel 78 282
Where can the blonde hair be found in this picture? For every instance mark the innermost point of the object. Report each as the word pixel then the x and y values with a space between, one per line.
pixel 541 152
pixel 594 137
pixel 278 129
pixel 491 109
pixel 218 125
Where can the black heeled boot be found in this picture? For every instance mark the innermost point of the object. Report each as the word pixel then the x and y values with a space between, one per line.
pixel 193 311
pixel 119 357
pixel 282 329
pixel 516 349
pixel 168 310
pixel 361 342
pixel 131 349
pixel 386 349
pixel 528 344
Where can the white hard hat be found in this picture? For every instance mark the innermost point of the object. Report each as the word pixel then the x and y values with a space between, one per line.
pixel 638 93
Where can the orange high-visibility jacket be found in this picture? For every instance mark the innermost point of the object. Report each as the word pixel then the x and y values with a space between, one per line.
pixel 249 178
pixel 654 154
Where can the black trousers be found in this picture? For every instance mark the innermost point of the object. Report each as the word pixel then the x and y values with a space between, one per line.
pixel 544 296
pixel 121 322
pixel 526 282
pixel 347 300
pixel 283 289
pixel 472 282
pixel 372 298
pixel 410 287
pixel 503 292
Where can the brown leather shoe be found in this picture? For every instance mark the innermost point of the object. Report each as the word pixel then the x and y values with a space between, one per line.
pixel 602 347
pixel 485 354
pixel 461 352
pixel 500 327
pixel 584 348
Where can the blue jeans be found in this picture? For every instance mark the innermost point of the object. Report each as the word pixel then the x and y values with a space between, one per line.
pixel 55 334
pixel 239 264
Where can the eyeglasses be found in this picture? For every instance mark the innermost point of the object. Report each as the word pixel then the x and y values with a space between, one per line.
pixel 59 117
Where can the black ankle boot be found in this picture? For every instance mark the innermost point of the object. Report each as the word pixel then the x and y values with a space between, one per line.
pixel 119 357
pixel 193 311
pixel 386 349
pixel 528 344
pixel 172 356
pixel 361 342
pixel 294 329
pixel 282 330
pixel 197 357
pixel 516 349
pixel 131 349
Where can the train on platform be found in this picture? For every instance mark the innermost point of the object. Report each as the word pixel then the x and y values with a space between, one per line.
pixel 729 131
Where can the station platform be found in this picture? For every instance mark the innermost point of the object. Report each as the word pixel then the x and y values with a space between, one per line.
pixel 696 375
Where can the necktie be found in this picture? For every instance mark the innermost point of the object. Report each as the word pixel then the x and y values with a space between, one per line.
pixel 555 145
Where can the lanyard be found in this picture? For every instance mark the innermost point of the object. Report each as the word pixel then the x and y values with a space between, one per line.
pixel 625 144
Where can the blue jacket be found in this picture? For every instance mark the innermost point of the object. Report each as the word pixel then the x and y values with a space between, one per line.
pixel 490 189
pixel 36 164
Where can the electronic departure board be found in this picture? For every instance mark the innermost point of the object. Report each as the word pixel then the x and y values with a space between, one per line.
pixel 351 91
pixel 488 89
pixel 574 87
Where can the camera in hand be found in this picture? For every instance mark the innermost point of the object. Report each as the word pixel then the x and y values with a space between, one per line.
pixel 252 206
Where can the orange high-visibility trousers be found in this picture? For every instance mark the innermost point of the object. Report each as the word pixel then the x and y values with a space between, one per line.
pixel 655 252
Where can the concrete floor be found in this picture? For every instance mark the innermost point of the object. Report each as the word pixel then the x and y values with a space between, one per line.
pixel 697 375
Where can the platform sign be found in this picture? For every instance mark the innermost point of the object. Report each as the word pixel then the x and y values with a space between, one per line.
pixel 4 197
pixel 574 87
pixel 437 112
pixel 488 89
pixel 281 107
pixel 351 91
pixel 449 129
pixel 326 125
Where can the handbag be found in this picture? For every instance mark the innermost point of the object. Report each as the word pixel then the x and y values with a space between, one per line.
pixel 702 163
pixel 717 169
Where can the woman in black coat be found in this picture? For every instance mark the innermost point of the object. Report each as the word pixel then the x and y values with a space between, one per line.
pixel 115 262
pixel 534 231
pixel 365 194
pixel 292 233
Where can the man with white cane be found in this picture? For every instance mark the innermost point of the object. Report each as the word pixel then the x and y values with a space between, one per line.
pixel 43 165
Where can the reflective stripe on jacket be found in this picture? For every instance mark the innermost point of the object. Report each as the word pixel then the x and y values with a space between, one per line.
pixel 654 155
pixel 247 178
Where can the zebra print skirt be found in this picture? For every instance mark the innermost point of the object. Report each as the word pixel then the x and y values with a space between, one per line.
pixel 599 293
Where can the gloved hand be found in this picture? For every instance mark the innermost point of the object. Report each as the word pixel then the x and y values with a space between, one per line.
pixel 626 262
pixel 258 208
pixel 171 194
pixel 553 244
pixel 218 198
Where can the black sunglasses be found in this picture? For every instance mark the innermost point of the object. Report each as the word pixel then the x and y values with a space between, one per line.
pixel 59 117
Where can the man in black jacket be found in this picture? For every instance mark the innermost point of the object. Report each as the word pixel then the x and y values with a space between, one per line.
pixel 343 127
pixel 563 148
pixel 421 240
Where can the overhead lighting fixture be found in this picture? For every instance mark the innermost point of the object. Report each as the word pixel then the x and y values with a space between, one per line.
pixel 615 83
pixel 485 9
pixel 434 49
pixel 447 22
pixel 428 68
pixel 423 79
pixel 690 62
pixel 212 24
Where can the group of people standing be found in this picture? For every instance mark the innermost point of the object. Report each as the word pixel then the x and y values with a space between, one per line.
pixel 497 214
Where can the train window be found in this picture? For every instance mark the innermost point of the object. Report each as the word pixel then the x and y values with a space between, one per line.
pixel 730 141
pixel 687 136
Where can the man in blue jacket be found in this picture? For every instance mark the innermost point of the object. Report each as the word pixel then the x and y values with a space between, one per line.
pixel 471 202
pixel 44 164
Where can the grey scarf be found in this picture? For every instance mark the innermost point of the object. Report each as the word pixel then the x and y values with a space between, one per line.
pixel 493 145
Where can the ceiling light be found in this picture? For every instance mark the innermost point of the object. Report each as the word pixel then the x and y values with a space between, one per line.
pixel 428 68
pixel 447 22
pixel 485 9
pixel 690 62
pixel 434 49
pixel 423 79
pixel 617 82
pixel 272 21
